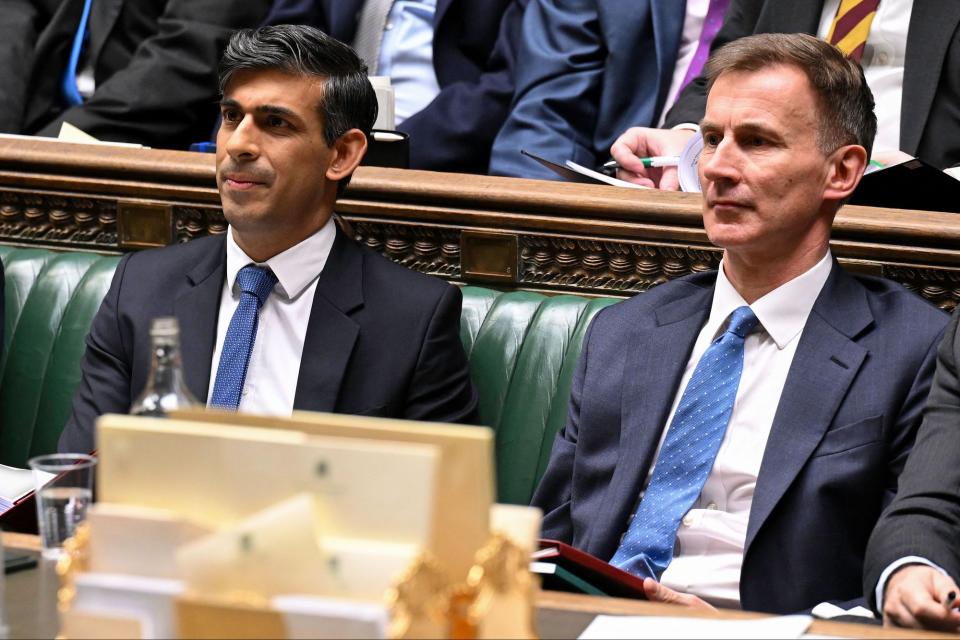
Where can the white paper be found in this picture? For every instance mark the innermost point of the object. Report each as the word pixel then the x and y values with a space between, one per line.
pixel 658 627
pixel 602 177
pixel 386 103
pixel 16 483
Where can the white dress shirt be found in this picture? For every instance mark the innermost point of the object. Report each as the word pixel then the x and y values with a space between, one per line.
pixel 882 63
pixel 274 366
pixel 689 41
pixel 406 55
pixel 710 541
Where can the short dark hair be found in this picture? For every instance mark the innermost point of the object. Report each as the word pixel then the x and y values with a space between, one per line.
pixel 845 103
pixel 348 100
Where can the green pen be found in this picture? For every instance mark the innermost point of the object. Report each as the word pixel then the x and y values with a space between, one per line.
pixel 652 161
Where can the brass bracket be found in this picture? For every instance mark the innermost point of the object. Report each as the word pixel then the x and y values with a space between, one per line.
pixel 488 256
pixel 142 225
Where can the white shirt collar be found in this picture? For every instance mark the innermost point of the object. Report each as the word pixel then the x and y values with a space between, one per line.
pixel 295 268
pixel 783 312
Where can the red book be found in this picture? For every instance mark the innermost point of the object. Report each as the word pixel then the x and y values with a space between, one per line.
pixel 600 578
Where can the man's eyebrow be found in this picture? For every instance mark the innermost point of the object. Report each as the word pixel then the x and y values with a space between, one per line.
pixel 270 109
pixel 706 124
pixel 275 110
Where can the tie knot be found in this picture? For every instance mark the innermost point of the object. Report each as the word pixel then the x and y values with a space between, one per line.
pixel 256 280
pixel 742 321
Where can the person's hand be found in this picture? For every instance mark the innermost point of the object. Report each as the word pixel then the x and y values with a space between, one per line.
pixel 915 596
pixel 643 142
pixel 656 592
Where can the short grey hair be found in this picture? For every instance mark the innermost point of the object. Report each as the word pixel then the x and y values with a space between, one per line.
pixel 845 103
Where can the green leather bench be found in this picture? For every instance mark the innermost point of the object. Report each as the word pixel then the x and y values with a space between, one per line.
pixel 523 349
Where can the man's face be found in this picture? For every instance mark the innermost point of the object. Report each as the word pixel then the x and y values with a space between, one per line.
pixel 763 176
pixel 272 159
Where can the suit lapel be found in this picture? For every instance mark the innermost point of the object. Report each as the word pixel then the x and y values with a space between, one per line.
pixel 932 24
pixel 652 371
pixel 103 16
pixel 667 17
pixel 331 332
pixel 826 363
pixel 442 6
pixel 197 310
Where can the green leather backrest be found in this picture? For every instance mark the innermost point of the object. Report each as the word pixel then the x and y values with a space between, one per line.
pixel 50 301
pixel 523 348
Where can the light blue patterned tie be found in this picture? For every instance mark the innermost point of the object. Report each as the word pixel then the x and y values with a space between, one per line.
pixel 255 283
pixel 688 452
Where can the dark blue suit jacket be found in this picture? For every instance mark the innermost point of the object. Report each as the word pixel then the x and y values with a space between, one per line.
pixel 474 50
pixel 846 420
pixel 587 70
pixel 381 340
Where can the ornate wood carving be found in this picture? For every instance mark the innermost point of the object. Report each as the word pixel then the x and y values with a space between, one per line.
pixel 68 220
pixel 428 249
pixel 939 286
pixel 605 266
pixel 196 222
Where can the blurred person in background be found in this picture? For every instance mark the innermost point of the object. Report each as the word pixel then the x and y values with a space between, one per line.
pixel 139 71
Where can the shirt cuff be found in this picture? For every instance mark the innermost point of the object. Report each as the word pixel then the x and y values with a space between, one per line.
pixel 882 582
pixel 689 126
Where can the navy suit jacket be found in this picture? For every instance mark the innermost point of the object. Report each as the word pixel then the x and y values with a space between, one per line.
pixel 474 50
pixel 930 109
pixel 587 70
pixel 846 420
pixel 382 340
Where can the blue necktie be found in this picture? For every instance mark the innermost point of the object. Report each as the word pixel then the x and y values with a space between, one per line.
pixel 688 452
pixel 255 283
pixel 70 92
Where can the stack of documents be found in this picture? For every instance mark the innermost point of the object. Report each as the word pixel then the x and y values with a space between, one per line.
pixel 15 485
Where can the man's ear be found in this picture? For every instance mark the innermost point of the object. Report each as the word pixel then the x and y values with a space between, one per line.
pixel 847 165
pixel 349 150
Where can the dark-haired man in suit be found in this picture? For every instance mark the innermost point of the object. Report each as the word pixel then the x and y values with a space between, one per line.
pixel 283 312
pixel 736 434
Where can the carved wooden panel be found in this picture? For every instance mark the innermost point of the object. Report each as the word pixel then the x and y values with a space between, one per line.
pixel 605 266
pixel 432 250
pixel 64 220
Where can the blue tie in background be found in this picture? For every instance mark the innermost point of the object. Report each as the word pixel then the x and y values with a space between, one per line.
pixel 255 284
pixel 70 92
pixel 688 452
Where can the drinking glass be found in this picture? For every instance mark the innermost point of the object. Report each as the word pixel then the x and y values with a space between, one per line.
pixel 64 483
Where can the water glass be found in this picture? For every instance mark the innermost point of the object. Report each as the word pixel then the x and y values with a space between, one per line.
pixel 64 484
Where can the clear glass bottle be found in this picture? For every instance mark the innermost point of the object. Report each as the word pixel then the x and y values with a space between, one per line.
pixel 165 390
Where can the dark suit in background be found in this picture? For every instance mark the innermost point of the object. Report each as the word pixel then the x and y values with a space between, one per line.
pixel 930 113
pixel 924 519
pixel 474 51
pixel 154 62
pixel 587 71
pixel 381 340
pixel 846 420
